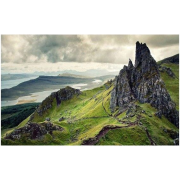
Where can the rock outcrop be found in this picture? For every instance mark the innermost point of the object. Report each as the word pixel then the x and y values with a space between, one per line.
pixel 59 96
pixel 33 130
pixel 142 82
pixel 167 70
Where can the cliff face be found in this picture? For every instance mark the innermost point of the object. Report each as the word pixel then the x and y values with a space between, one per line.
pixel 142 82
pixel 59 96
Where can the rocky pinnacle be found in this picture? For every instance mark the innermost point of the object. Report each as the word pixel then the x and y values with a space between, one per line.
pixel 142 82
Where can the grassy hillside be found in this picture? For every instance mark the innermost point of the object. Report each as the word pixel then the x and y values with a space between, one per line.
pixel 160 130
pixel 88 120
pixel 172 84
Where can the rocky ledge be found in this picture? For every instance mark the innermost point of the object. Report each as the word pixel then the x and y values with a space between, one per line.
pixel 57 97
pixel 142 82
pixel 167 70
pixel 34 130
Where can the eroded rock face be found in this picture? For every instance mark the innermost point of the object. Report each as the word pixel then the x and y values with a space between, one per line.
pixel 142 82
pixel 33 130
pixel 122 93
pixel 167 70
pixel 59 96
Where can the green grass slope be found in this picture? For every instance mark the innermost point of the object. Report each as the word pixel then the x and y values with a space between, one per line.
pixel 87 114
pixel 161 130
pixel 172 84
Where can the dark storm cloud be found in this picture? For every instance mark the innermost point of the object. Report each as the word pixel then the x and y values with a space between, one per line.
pixel 82 48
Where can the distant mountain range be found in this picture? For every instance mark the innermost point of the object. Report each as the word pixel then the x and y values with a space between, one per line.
pixel 72 75
pixel 88 73
pixel 5 77
pixel 43 83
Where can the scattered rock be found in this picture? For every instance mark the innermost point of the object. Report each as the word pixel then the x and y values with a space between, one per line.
pixel 167 70
pixel 158 114
pixel 61 119
pixel 132 115
pixel 47 119
pixel 176 141
pixel 165 130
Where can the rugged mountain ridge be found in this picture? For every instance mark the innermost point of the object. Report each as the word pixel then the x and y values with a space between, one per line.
pixel 143 82
pixel 59 96
pixel 173 59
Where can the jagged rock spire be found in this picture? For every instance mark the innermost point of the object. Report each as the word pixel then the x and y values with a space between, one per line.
pixel 142 51
pixel 130 65
pixel 143 83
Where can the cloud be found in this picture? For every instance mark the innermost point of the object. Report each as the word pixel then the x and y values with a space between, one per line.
pixel 115 49
pixel 159 41
pixel 56 67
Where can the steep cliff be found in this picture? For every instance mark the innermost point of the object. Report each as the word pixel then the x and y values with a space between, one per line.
pixel 59 96
pixel 142 82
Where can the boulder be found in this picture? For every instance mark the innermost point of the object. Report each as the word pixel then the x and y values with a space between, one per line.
pixel 47 119
pixel 33 130
pixel 61 119
pixel 176 141
pixel 158 114
pixel 167 70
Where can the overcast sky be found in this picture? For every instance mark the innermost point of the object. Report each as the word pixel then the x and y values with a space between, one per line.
pixel 46 53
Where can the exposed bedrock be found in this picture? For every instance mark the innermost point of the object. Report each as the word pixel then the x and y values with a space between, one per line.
pixel 143 82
